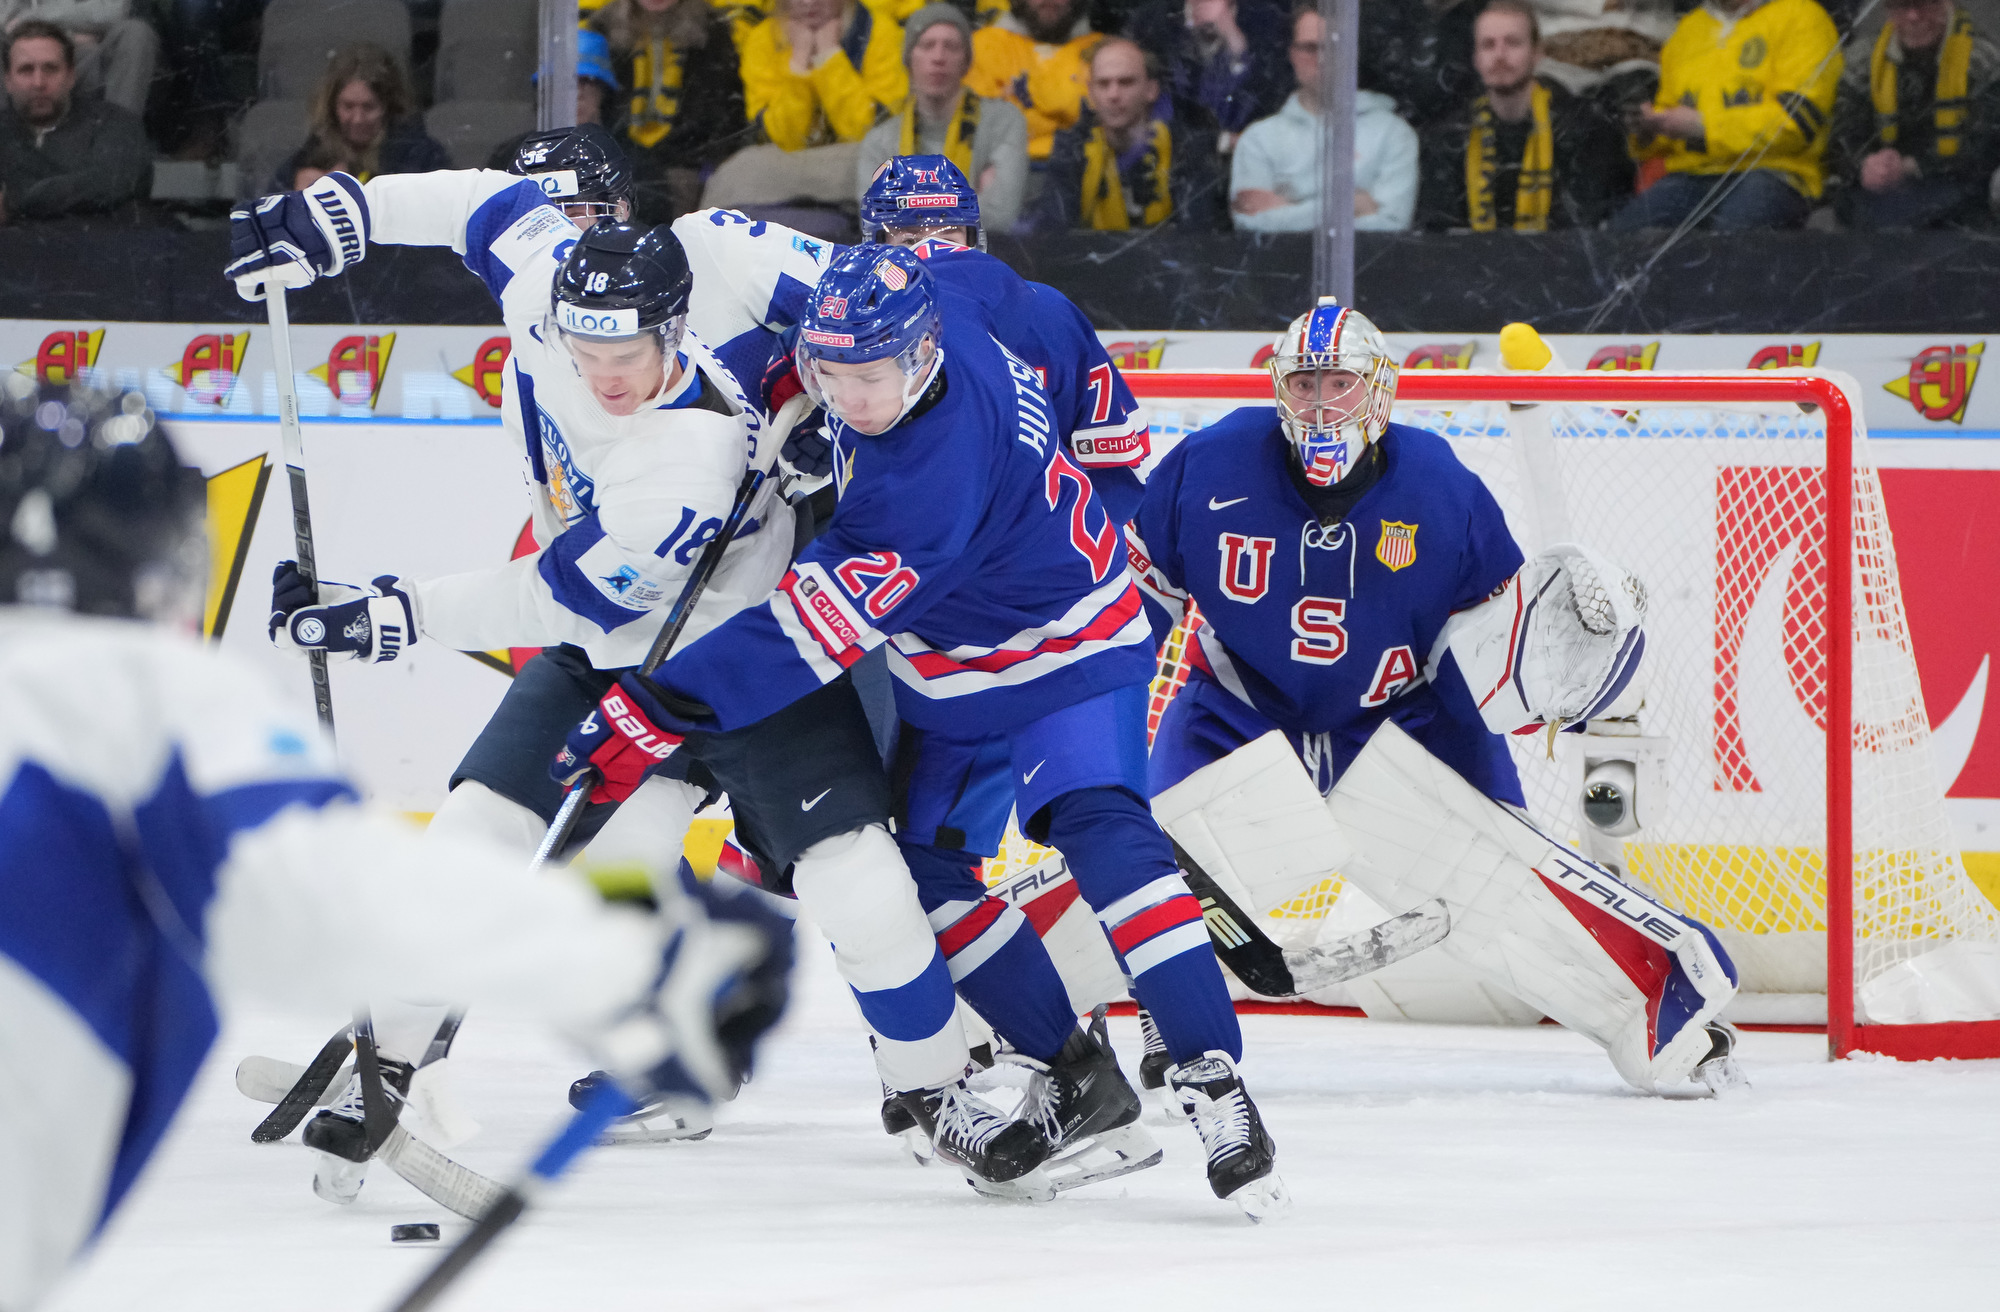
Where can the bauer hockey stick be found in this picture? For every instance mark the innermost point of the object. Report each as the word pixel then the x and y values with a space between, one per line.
pixel 295 470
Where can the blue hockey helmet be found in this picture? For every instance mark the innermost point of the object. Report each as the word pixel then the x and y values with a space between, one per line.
pixel 581 169
pixel 1335 383
pixel 914 196
pixel 873 304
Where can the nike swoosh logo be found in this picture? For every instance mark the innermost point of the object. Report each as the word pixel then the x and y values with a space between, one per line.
pixel 807 806
pixel 1213 504
pixel 1029 777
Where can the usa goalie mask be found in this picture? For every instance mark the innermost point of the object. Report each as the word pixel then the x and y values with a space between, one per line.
pixel 1335 384
pixel 870 342
pixel 917 196
pixel 618 307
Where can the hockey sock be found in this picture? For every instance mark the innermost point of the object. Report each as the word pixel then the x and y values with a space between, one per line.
pixel 1124 867
pixel 855 886
pixel 995 956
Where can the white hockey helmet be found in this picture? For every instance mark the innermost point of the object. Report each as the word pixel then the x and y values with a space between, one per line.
pixel 1335 382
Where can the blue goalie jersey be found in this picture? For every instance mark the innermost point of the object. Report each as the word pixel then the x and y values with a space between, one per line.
pixel 968 540
pixel 1327 631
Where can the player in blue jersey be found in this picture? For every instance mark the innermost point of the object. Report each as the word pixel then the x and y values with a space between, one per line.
pixel 969 544
pixel 174 834
pixel 1368 632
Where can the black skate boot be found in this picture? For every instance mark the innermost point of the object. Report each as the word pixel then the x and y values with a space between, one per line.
pixel 340 1133
pixel 1240 1152
pixel 1089 1113
pixel 997 1156
pixel 899 1122
pixel 1153 1066
pixel 1720 1070
pixel 658 1119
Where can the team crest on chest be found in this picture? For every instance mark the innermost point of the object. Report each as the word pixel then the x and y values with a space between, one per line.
pixel 1397 547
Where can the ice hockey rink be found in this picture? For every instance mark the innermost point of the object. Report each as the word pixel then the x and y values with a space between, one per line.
pixel 1433 1167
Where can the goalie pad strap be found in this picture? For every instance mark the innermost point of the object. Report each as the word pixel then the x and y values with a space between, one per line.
pixel 1255 824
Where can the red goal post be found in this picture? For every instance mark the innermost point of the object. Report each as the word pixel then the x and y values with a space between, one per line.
pixel 1799 392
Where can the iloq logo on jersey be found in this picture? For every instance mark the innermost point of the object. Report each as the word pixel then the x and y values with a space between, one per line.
pixel 561 182
pixel 818 338
pixel 597 323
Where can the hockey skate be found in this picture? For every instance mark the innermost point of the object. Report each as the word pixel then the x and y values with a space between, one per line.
pixel 660 1119
pixel 901 1123
pixel 1153 1066
pixel 339 1134
pixel 1720 1070
pixel 998 1157
pixel 1089 1113
pixel 1241 1154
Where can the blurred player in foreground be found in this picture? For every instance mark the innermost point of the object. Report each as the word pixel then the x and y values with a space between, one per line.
pixel 171 831
pixel 1369 632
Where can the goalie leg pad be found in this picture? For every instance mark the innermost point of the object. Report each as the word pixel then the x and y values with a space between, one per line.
pixel 1047 895
pixel 1255 824
pixel 1530 914
pixel 861 894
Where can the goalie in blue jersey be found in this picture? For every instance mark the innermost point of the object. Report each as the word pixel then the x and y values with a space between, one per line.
pixel 968 542
pixel 1368 632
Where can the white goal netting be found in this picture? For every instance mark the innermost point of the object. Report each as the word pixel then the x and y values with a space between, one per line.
pixel 1720 508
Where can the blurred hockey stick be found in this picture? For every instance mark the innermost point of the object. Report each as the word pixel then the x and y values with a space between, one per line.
pixel 697 582
pixel 295 469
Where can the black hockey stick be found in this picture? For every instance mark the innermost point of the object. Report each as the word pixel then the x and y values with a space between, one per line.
pixel 305 1093
pixel 295 469
pixel 697 582
pixel 1277 972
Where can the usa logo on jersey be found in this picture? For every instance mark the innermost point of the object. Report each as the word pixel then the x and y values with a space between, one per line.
pixel 1397 547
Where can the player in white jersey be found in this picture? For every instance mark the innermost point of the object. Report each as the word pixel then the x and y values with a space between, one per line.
pixel 637 438
pixel 174 834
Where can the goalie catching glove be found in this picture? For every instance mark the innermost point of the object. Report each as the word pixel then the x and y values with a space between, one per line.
pixel 373 624
pixel 637 725
pixel 295 236
pixel 1555 646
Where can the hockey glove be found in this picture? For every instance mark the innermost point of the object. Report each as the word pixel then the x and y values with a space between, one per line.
pixel 373 624
pixel 293 237
pixel 723 983
pixel 631 733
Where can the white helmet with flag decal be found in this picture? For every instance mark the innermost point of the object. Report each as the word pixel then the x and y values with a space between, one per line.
pixel 1335 382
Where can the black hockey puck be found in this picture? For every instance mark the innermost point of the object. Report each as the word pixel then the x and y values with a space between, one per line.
pixel 415 1233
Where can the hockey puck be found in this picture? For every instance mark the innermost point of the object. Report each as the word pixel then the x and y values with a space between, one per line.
pixel 414 1233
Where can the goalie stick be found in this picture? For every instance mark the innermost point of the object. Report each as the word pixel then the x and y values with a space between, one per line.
pixel 1277 972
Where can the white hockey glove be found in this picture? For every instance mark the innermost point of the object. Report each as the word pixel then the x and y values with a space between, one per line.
pixel 293 237
pixel 723 982
pixel 373 624
pixel 1556 645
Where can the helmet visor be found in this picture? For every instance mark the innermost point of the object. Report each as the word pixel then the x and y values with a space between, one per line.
pixel 873 396
pixel 624 370
pixel 1323 398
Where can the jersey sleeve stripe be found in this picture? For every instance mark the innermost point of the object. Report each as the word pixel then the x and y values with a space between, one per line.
pixel 589 576
pixel 251 805
pixel 497 218
pixel 1109 622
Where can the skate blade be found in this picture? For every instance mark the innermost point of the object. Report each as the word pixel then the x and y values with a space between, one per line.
pixel 1105 1156
pixel 1724 1077
pixel 917 1146
pixel 661 1127
pixel 1263 1199
pixel 336 1179
pixel 1034 1187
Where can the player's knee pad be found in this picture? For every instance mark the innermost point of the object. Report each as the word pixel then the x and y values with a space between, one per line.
pixel 472 810
pixel 1530 914
pixel 646 833
pixel 1255 824
pixel 1110 840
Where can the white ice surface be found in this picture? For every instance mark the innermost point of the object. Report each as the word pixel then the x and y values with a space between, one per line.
pixel 1434 1167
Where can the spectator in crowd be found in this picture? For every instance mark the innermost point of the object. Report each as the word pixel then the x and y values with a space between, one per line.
pixel 1527 155
pixel 115 52
pixel 362 118
pixel 62 154
pixel 823 71
pixel 1125 165
pixel 1227 56
pixel 987 139
pixel 685 112
pixel 596 92
pixel 1914 127
pixel 1274 174
pixel 1741 118
pixel 1037 57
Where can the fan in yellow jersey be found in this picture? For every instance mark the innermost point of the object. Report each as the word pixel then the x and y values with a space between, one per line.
pixel 1746 90
pixel 1038 56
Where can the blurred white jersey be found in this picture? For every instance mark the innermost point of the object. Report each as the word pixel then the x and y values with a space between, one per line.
pixel 169 831
pixel 622 503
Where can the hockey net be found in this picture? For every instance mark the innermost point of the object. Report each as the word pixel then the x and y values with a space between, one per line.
pixel 1762 628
